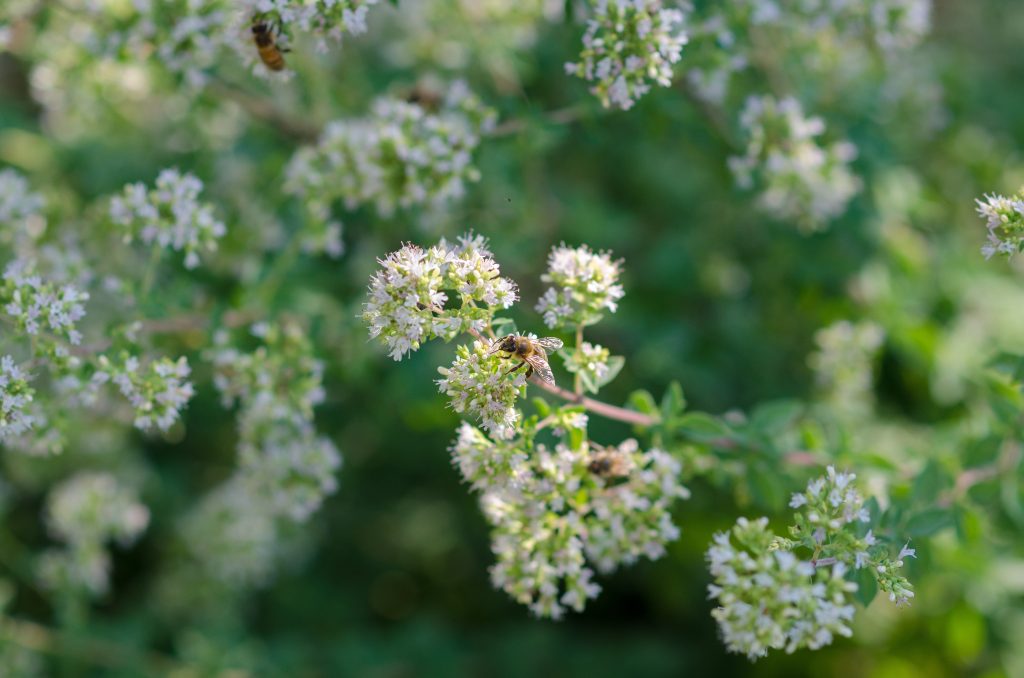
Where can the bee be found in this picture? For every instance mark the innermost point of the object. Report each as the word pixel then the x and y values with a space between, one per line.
pixel 425 96
pixel 609 463
pixel 265 35
pixel 530 352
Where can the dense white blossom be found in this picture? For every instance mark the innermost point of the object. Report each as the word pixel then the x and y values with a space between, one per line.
pixel 1004 219
pixel 85 512
pixel 402 155
pixel 408 296
pixel 15 397
pixel 478 384
pixel 551 510
pixel 628 45
pixel 770 599
pixel 584 285
pixel 798 179
pixel 169 215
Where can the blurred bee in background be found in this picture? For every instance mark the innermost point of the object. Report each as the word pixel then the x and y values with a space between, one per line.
pixel 609 462
pixel 265 35
pixel 426 95
pixel 531 353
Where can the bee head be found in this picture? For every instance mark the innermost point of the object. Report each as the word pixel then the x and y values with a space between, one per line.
pixel 506 344
pixel 260 28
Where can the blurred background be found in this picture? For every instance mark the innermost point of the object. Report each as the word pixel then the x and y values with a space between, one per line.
pixel 390 578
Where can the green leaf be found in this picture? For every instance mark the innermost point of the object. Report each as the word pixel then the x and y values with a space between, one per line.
pixel 929 483
pixel 867 586
pixel 542 407
pixel 928 522
pixel 587 379
pixel 702 427
pixel 643 401
pixel 766 487
pixel 673 402
pixel 773 418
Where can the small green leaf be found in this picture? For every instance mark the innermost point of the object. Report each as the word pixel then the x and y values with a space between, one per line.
pixel 643 401
pixel 587 379
pixel 702 427
pixel 929 483
pixel 615 364
pixel 765 487
pixel 542 407
pixel 773 418
pixel 673 402
pixel 928 522
pixel 867 586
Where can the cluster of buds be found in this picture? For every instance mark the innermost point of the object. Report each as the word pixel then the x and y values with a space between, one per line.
pixel 628 45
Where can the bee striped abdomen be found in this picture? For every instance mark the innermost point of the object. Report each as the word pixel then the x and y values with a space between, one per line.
pixel 266 45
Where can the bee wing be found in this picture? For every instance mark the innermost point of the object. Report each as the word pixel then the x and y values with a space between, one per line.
pixel 539 362
pixel 550 343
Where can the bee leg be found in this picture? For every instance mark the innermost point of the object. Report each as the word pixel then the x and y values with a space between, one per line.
pixel 519 366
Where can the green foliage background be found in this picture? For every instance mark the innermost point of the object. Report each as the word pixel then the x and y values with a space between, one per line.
pixel 390 578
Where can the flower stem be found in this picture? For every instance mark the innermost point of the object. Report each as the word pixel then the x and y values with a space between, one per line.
pixel 595 406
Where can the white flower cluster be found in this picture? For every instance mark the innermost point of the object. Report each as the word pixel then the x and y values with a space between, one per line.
pixel 15 397
pixel 39 306
pixel 477 382
pixel 628 45
pixel 832 501
pixel 552 510
pixel 401 156
pixel 169 215
pixel 769 599
pixel 585 284
pixel 632 519
pixel 87 511
pixel 1004 219
pixel 408 295
pixel 277 386
pixel 17 201
pixel 331 18
pixel 157 391
pixel 799 180
pixel 843 364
